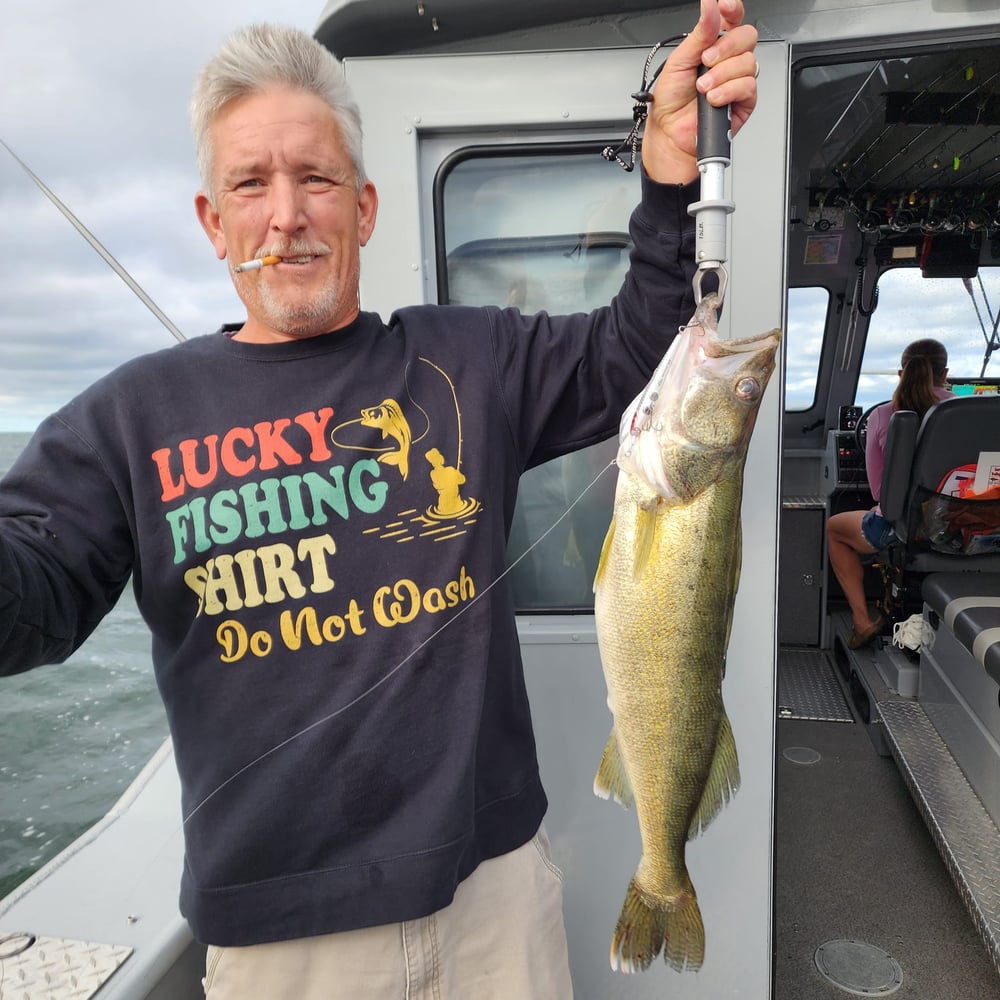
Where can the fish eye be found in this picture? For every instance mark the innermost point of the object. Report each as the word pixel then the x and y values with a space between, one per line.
pixel 747 389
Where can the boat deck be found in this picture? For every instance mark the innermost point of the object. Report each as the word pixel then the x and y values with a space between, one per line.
pixel 855 860
pixel 865 899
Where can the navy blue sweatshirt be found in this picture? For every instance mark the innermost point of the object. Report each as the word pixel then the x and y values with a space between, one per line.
pixel 313 530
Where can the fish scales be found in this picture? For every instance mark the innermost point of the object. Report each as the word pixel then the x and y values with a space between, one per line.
pixel 664 596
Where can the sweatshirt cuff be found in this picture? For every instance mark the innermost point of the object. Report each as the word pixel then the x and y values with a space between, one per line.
pixel 665 206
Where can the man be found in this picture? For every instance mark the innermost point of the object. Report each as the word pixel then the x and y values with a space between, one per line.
pixel 361 800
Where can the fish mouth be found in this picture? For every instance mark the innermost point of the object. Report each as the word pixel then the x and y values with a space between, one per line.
pixel 716 348
pixel 705 342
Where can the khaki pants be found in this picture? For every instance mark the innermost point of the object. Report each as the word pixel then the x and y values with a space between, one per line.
pixel 501 938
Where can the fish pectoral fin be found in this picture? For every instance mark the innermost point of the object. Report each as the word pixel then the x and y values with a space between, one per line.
pixel 605 549
pixel 612 778
pixel 723 779
pixel 645 529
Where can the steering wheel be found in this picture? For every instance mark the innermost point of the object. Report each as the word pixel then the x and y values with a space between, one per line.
pixel 861 427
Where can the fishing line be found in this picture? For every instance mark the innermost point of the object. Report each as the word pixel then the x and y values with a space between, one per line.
pixel 406 659
pixel 343 708
pixel 642 98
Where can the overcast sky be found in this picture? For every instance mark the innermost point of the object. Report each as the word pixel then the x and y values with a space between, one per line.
pixel 94 100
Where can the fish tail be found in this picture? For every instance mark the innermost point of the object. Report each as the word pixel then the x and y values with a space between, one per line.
pixel 612 778
pixel 645 927
pixel 723 779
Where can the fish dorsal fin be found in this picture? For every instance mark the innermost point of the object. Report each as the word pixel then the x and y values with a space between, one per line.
pixel 645 529
pixel 723 779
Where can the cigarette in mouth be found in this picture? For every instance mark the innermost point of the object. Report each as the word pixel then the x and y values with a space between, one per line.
pixel 256 265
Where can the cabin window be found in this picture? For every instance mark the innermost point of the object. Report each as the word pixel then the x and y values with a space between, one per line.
pixel 960 312
pixel 806 323
pixel 542 227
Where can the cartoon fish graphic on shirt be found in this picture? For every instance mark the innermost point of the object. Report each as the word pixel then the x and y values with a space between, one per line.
pixel 388 418
pixel 664 594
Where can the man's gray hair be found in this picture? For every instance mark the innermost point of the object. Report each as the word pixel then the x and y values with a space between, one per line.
pixel 264 54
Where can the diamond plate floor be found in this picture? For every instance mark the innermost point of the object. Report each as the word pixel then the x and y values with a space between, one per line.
pixel 808 687
pixel 47 968
pixel 965 834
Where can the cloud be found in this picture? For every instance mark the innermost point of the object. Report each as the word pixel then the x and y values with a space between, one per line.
pixel 94 100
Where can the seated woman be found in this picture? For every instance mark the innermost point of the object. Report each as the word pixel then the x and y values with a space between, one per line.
pixel 852 533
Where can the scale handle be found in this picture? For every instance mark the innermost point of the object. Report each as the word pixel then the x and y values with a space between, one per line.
pixel 714 135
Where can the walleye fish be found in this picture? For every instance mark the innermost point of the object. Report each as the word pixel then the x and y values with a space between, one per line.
pixel 664 594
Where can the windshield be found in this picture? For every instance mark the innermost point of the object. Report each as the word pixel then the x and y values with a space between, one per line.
pixel 961 313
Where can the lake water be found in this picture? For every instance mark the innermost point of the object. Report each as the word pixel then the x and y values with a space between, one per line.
pixel 73 735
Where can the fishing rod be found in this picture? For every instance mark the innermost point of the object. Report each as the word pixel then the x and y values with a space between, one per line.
pixel 98 246
pixel 991 338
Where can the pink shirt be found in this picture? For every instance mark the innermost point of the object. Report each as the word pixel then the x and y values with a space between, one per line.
pixel 878 429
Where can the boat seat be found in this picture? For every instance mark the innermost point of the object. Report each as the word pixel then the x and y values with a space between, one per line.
pixel 969 605
pixel 919 456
